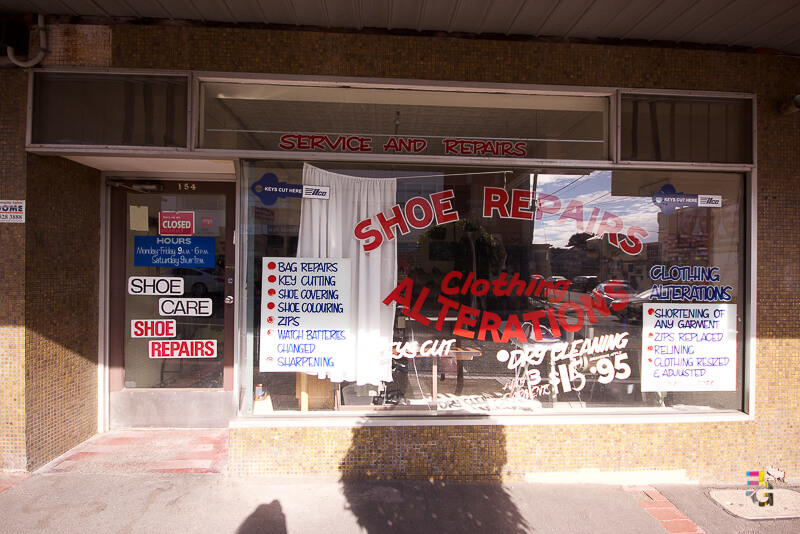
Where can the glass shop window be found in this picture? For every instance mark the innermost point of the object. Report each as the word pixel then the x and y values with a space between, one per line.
pixel 708 130
pixel 109 109
pixel 446 290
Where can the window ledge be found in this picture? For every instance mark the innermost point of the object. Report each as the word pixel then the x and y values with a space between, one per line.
pixel 585 417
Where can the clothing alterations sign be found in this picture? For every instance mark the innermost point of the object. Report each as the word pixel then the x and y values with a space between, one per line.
pixel 305 314
pixel 689 347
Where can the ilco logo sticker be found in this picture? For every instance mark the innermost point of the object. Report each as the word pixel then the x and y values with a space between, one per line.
pixel 268 189
pixel 317 191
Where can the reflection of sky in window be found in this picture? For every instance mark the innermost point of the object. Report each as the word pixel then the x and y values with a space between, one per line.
pixel 594 191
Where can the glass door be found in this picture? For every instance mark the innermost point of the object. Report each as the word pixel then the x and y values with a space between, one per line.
pixel 171 289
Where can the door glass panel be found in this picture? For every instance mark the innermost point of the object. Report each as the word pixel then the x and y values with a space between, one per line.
pixel 175 290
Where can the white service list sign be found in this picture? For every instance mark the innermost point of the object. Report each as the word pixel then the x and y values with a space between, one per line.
pixel 689 347
pixel 305 314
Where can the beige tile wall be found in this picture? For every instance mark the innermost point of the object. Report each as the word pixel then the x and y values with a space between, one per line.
pixel 61 308
pixel 12 272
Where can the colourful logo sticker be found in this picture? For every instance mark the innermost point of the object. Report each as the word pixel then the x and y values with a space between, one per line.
pixel 762 495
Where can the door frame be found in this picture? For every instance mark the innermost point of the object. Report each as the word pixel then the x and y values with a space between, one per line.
pixel 149 407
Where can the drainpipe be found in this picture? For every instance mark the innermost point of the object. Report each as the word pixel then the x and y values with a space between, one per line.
pixel 42 45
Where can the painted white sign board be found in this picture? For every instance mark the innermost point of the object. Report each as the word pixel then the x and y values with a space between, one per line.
pixel 689 347
pixel 305 314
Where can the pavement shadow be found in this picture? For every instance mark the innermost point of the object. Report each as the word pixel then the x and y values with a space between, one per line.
pixel 266 519
pixel 429 479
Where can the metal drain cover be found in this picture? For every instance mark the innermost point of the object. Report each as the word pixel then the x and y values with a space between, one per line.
pixel 786 504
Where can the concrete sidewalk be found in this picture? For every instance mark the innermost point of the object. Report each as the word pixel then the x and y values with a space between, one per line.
pixel 181 502
pixel 112 484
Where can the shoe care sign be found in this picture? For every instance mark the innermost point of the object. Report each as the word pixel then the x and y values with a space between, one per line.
pixel 158 332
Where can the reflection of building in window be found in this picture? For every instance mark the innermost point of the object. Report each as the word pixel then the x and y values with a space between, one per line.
pixel 684 236
pixel 579 258
pixel 693 228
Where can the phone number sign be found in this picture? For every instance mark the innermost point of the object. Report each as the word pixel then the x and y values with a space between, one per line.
pixel 12 211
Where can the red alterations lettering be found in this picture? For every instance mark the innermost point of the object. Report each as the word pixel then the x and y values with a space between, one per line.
pixel 472 323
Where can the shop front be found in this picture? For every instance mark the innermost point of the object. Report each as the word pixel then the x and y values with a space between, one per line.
pixel 392 260
pixel 434 290
pixel 440 253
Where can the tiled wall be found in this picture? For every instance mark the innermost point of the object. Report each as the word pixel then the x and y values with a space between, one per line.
pixel 468 453
pixel 12 272
pixel 48 295
pixel 62 258
pixel 714 452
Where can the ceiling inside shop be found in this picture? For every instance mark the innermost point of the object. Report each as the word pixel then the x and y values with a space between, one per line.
pixel 139 165
pixel 752 24
pixel 250 116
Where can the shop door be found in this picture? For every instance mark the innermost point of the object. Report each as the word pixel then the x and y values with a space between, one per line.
pixel 171 303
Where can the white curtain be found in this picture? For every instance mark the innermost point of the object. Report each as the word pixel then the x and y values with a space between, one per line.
pixel 326 231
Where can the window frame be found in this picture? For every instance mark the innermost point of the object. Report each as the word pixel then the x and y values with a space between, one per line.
pixel 106 149
pixel 609 415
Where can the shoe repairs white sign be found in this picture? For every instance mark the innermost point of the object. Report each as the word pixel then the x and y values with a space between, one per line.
pixel 12 211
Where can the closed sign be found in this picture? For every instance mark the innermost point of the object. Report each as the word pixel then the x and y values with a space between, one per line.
pixel 176 223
